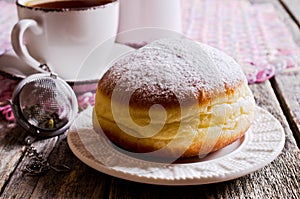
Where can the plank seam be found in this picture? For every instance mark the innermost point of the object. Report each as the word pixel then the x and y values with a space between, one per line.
pixel 285 108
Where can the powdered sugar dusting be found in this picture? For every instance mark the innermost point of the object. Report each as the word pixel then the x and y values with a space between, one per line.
pixel 173 68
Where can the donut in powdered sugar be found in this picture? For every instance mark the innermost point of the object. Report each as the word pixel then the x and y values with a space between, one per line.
pixel 174 97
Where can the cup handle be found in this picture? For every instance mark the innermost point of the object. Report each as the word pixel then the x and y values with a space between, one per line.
pixel 20 49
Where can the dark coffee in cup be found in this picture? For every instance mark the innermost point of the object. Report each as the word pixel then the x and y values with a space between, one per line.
pixel 70 4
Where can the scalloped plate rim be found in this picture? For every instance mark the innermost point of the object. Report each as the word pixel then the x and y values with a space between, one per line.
pixel 184 181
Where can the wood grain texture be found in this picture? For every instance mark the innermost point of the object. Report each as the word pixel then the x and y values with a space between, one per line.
pixel 81 182
pixel 294 8
pixel 11 150
pixel 289 17
pixel 268 182
pixel 266 98
pixel 21 185
pixel 287 85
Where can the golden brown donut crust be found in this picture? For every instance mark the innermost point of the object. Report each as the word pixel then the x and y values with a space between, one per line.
pixel 241 121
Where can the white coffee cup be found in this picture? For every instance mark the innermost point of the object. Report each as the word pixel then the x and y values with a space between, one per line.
pixel 142 21
pixel 61 38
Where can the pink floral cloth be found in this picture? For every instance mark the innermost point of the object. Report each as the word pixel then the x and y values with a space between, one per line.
pixel 6 88
pixel 254 34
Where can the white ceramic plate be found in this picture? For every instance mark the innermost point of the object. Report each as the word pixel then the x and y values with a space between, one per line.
pixel 260 145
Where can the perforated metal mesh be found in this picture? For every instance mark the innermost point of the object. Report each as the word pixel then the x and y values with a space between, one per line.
pixel 46 102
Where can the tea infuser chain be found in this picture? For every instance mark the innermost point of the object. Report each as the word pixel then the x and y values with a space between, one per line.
pixel 38 164
pixel 49 113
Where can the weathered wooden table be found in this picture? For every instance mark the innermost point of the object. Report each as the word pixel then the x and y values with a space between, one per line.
pixel 280 179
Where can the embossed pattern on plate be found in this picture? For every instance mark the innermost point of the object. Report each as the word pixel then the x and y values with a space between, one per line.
pixel 262 143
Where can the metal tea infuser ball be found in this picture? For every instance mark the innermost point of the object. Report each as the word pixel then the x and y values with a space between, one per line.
pixel 44 104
